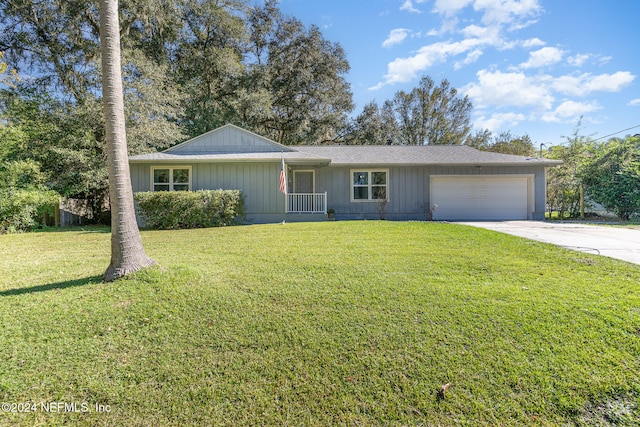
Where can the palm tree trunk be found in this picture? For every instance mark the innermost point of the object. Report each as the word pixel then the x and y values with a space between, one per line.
pixel 127 253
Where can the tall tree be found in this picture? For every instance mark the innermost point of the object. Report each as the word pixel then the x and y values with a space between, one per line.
pixel 612 176
pixel 127 253
pixel 66 141
pixel 507 143
pixel 208 62
pixel 374 126
pixel 302 72
pixel 480 140
pixel 57 104
pixel 368 125
pixel 564 186
pixel 433 115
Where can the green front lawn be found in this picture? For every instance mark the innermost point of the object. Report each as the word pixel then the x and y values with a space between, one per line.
pixel 333 323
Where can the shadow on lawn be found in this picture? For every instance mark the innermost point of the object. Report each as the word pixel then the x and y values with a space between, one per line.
pixel 52 286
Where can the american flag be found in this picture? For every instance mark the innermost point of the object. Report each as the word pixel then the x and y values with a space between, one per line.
pixel 283 178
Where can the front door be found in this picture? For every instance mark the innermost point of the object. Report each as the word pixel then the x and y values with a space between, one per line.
pixel 303 182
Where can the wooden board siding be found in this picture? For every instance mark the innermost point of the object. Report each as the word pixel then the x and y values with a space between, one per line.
pixel 409 196
pixel 259 182
pixel 140 177
pixel 227 139
pixel 408 193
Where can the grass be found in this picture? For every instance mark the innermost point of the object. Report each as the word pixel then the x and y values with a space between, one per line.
pixel 334 323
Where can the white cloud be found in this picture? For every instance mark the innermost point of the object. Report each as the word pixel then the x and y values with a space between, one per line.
pixel 497 121
pixel 573 108
pixel 471 57
pixel 605 60
pixel 515 13
pixel 450 7
pixel 634 102
pixel 449 25
pixel 570 110
pixel 402 70
pixel 587 83
pixel 395 36
pixel 509 90
pixel 610 82
pixel 543 57
pixel 489 35
pixel 578 60
pixel 409 7
pixel 474 38
pixel 534 42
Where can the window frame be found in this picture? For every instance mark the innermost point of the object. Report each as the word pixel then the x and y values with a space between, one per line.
pixel 171 184
pixel 369 185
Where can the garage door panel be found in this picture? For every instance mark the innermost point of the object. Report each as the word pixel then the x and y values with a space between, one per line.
pixel 479 197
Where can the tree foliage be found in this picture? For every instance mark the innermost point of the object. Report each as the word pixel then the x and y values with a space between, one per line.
pixel 612 176
pixel 303 75
pixel 505 143
pixel 563 181
pixel 427 115
pixel 375 125
pixel 432 115
pixel 25 202
pixel 188 66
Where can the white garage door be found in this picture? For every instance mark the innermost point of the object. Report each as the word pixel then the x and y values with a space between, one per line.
pixel 489 197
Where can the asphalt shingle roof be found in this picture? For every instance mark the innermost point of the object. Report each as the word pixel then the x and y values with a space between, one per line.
pixel 341 155
pixel 416 155
pixel 290 156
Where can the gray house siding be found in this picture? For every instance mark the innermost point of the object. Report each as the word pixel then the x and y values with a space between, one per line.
pixel 257 181
pixel 418 176
pixel 409 188
pixel 409 196
pixel 228 139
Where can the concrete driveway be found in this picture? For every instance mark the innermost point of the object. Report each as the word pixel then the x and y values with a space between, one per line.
pixel 615 242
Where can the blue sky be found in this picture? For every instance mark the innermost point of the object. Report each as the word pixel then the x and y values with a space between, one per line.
pixel 529 66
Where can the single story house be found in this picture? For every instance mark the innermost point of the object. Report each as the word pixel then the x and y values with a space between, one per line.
pixel 356 182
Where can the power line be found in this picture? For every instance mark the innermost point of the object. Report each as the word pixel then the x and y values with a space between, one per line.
pixel 615 133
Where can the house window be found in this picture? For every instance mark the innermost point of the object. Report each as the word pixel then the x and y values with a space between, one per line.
pixel 171 179
pixel 369 185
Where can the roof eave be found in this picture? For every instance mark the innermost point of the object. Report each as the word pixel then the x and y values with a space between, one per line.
pixel 236 160
pixel 452 164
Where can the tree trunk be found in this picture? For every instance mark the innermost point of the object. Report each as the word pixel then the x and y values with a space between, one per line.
pixel 127 253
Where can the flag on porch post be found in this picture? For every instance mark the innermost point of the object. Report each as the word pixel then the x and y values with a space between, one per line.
pixel 283 178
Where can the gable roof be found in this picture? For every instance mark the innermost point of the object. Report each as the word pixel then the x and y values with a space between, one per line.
pixel 228 139
pixel 228 143
pixel 231 143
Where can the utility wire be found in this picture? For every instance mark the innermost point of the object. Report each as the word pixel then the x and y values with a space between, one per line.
pixel 615 133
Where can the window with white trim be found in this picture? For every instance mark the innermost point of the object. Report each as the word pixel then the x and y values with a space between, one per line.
pixel 369 185
pixel 171 178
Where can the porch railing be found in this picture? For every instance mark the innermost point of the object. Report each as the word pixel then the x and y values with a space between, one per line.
pixel 307 203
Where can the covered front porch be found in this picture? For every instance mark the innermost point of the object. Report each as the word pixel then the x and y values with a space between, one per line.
pixel 301 197
pixel 307 203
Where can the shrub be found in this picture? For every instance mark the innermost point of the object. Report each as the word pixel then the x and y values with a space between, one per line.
pixel 23 209
pixel 190 209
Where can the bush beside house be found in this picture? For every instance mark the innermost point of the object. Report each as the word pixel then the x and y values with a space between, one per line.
pixel 165 210
pixel 26 209
pixel 25 202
